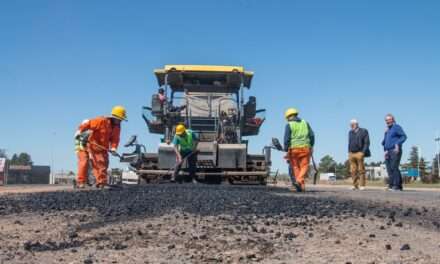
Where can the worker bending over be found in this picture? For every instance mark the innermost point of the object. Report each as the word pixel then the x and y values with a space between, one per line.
pixel 298 143
pixel 185 146
pixel 102 136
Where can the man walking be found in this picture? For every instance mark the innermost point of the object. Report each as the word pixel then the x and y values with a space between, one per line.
pixel 358 149
pixel 298 142
pixel 94 139
pixel 185 146
pixel 392 143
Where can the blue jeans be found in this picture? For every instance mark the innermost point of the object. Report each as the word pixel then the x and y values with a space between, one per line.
pixel 392 163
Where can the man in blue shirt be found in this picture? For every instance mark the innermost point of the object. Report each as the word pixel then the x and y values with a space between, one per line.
pixel 392 144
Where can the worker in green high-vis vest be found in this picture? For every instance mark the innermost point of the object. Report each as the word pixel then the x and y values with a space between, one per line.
pixel 299 140
pixel 185 146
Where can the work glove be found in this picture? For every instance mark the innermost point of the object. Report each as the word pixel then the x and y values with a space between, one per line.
pixel 77 135
pixel 113 152
pixel 178 159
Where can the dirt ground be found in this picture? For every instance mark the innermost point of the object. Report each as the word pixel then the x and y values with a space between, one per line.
pixel 219 224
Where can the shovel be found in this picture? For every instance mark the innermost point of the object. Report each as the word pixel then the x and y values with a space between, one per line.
pixel 180 163
pixel 114 153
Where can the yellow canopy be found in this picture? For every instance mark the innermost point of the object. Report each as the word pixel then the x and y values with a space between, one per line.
pixel 204 78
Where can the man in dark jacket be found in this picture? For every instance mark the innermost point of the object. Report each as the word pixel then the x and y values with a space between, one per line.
pixel 392 144
pixel 358 149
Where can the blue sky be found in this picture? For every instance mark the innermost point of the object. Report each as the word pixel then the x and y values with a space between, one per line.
pixel 64 61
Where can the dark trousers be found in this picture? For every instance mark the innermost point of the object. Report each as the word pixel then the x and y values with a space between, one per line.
pixel 191 160
pixel 392 163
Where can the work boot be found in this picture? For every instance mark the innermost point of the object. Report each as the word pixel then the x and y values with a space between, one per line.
pixel 297 187
pixel 108 187
pixel 101 186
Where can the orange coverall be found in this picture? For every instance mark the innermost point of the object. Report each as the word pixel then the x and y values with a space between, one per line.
pixel 104 134
pixel 299 159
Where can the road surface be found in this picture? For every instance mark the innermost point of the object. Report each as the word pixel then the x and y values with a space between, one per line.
pixel 220 224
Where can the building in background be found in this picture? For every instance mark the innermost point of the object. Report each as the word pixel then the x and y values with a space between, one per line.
pixel 27 174
pixel 376 172
pixel 64 177
pixel 2 171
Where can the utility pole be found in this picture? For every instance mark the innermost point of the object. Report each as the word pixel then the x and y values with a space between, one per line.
pixel 437 139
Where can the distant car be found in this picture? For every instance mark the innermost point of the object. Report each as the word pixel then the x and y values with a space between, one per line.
pixel 332 179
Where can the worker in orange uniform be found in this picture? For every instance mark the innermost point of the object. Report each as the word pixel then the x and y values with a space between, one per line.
pixel 102 137
pixel 298 143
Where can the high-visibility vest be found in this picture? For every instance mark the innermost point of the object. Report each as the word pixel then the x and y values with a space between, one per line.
pixel 79 145
pixel 299 134
pixel 187 142
pixel 81 142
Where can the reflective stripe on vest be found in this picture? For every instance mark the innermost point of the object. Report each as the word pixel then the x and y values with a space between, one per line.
pixel 299 134
pixel 79 146
pixel 186 143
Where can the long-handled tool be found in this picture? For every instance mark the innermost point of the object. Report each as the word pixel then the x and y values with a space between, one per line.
pixel 84 138
pixel 114 153
pixel 178 164
pixel 315 175
pixel 277 145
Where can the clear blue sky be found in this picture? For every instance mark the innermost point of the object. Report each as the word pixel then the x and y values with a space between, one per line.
pixel 64 61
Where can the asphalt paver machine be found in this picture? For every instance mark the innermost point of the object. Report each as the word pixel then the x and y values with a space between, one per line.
pixel 210 101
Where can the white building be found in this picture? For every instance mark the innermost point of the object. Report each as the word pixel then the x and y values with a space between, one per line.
pixel 376 172
pixel 2 171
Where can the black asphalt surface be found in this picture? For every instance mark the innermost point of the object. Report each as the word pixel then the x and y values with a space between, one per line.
pixel 268 215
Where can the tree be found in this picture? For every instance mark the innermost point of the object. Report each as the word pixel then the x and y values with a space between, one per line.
pixel 374 164
pixel 327 164
pixel 424 175
pixel 21 159
pixel 343 170
pixel 3 153
pixel 14 159
pixel 434 170
pixel 413 159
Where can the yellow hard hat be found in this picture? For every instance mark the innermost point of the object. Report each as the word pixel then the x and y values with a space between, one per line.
pixel 290 111
pixel 119 113
pixel 180 129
